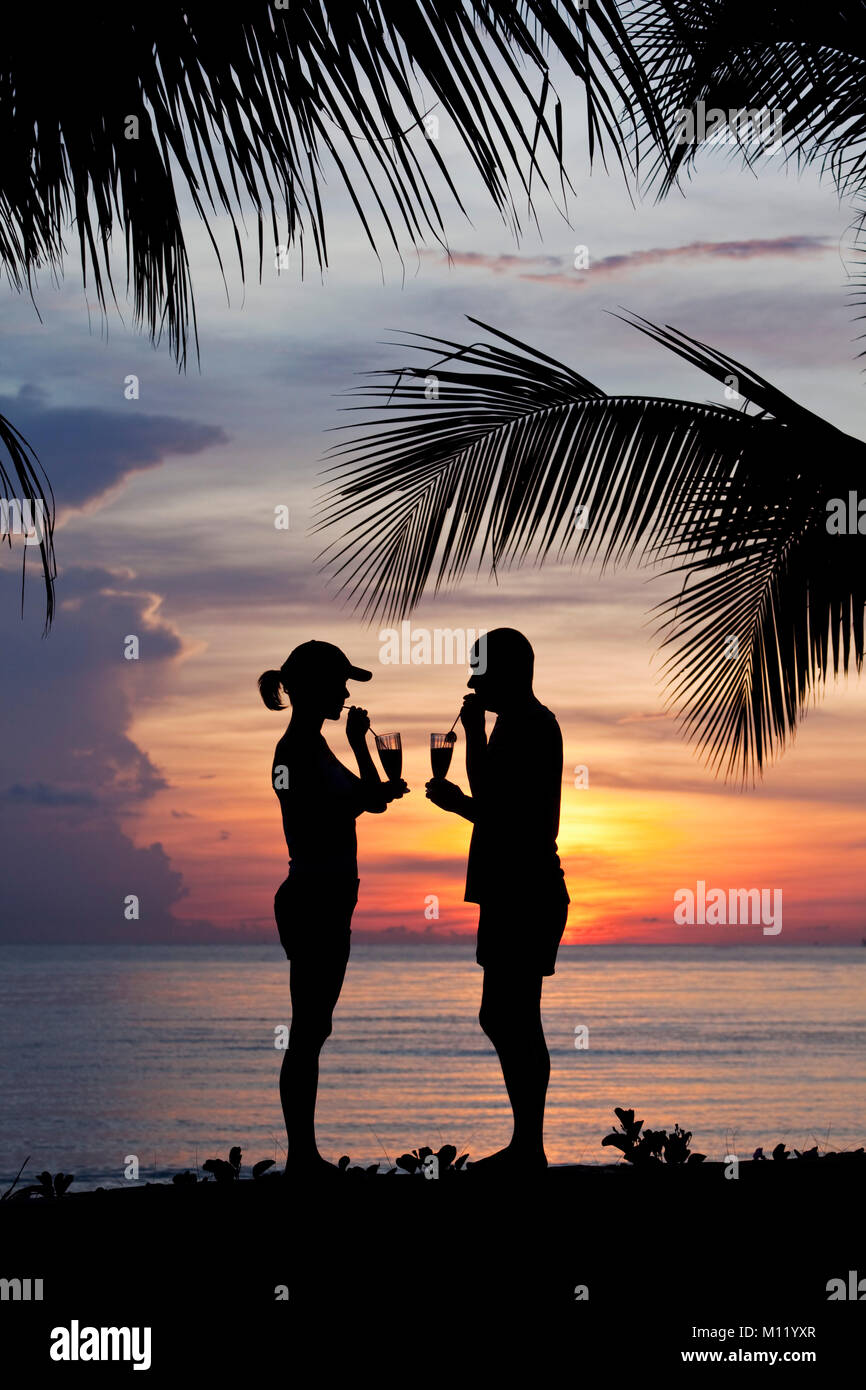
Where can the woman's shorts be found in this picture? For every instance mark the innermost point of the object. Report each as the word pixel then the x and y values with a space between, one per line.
pixel 314 918
pixel 523 939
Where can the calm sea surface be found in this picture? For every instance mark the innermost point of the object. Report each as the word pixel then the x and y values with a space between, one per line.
pixel 168 1053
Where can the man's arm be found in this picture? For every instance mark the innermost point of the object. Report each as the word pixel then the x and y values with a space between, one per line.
pixel 449 797
pixel 472 719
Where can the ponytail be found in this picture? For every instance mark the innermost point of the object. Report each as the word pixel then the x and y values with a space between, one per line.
pixel 270 685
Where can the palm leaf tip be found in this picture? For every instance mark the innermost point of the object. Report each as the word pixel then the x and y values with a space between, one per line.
pixel 27 504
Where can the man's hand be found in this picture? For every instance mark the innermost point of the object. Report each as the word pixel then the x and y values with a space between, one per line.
pixel 357 726
pixel 472 716
pixel 445 794
pixel 394 790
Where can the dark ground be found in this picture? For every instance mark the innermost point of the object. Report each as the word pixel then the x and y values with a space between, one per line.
pixel 462 1277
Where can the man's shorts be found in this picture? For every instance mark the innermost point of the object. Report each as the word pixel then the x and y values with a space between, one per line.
pixel 314 918
pixel 523 939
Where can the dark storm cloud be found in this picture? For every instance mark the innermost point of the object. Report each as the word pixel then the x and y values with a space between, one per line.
pixel 87 451
pixel 40 794
pixel 69 771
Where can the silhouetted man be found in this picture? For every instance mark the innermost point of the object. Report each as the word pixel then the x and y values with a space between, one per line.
pixel 513 872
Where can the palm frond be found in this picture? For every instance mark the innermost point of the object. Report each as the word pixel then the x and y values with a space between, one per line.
pixel 492 468
pixel 806 63
pixel 492 455
pixel 856 262
pixel 111 115
pixel 253 107
pixel 771 604
pixel 801 67
pixel 26 491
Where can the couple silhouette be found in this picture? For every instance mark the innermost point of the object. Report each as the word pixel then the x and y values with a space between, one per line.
pixel 513 871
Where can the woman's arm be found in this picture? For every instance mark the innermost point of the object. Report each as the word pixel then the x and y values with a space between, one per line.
pixel 375 794
pixel 357 727
pixel 377 799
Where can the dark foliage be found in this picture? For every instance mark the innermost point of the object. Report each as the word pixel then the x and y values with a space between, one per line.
pixel 229 1171
pixel 253 108
pixel 651 1146
pixel 52 1188
pixel 805 63
pixel 23 478
pixel 734 498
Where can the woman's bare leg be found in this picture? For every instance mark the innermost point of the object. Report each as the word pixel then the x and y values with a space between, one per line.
pixel 315 988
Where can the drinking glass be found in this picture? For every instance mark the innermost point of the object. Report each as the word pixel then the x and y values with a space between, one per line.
pixel 390 748
pixel 441 748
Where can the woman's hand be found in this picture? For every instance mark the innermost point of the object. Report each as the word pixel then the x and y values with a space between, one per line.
pixel 357 726
pixel 379 795
pixel 444 794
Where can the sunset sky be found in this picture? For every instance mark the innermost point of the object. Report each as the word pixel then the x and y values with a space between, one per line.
pixel 152 777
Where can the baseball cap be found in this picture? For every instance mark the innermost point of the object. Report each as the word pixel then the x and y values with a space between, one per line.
pixel 315 661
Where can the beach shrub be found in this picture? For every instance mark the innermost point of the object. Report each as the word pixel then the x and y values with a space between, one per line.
pixel 676 1147
pixel 52 1188
pixel 357 1172
pixel 230 1171
pixel 4 1197
pixel 447 1161
pixel 653 1145
pixel 780 1153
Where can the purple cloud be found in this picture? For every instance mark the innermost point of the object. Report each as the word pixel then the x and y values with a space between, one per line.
pixel 87 452
pixel 556 270
pixel 69 772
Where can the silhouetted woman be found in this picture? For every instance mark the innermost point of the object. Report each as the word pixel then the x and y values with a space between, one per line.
pixel 320 800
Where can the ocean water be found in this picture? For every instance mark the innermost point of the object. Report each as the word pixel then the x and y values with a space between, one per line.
pixel 168 1053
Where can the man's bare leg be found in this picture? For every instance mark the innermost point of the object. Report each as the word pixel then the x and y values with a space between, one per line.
pixel 511 1017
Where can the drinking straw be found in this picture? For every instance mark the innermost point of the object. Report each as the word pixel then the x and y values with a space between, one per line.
pixel 372 730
